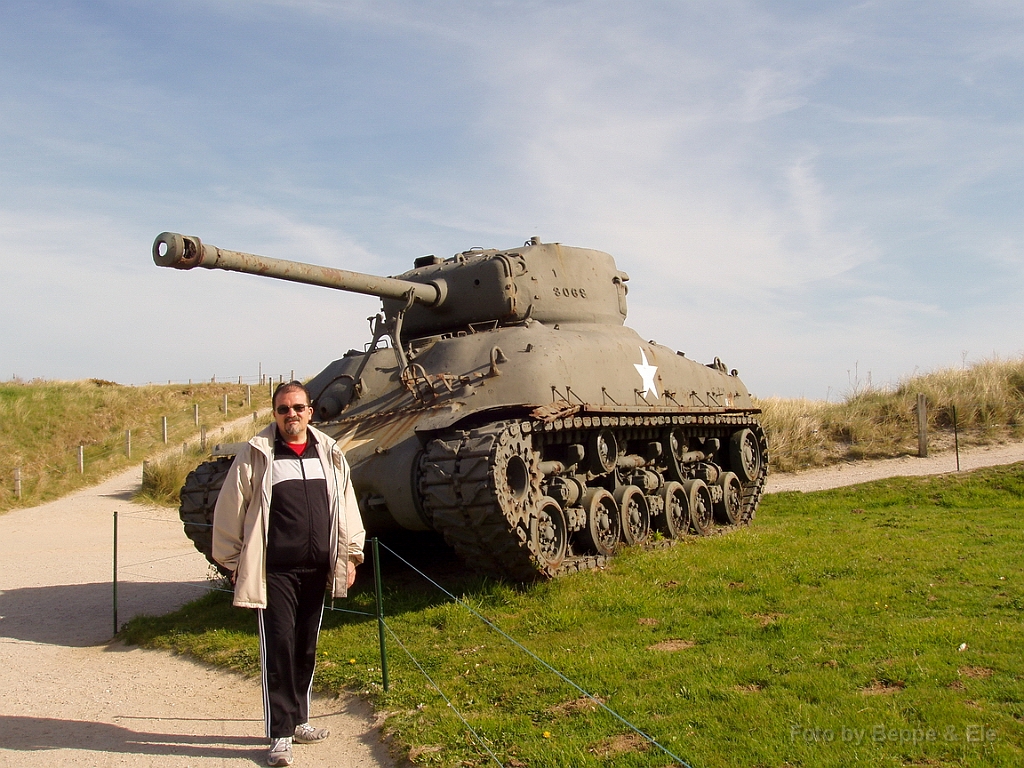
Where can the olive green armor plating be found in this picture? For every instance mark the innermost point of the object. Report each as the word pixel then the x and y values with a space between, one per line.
pixel 502 402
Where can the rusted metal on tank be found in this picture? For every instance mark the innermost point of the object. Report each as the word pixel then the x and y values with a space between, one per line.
pixel 186 252
pixel 383 433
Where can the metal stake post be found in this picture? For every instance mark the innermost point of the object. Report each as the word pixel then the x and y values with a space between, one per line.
pixel 956 439
pixel 922 426
pixel 380 616
pixel 115 571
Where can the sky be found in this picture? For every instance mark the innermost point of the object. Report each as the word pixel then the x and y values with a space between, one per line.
pixel 825 195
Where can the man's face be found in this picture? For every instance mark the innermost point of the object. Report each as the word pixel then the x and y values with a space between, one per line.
pixel 292 425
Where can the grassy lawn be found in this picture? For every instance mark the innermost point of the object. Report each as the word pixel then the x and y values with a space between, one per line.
pixel 877 625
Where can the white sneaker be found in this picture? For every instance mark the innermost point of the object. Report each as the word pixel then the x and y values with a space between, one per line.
pixel 280 751
pixel 307 734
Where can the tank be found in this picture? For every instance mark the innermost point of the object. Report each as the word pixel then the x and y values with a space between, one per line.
pixel 502 402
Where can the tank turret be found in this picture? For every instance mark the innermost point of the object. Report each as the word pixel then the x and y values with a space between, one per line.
pixel 502 402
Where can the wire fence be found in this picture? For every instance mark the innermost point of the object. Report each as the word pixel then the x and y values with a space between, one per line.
pixel 386 630
pixel 42 474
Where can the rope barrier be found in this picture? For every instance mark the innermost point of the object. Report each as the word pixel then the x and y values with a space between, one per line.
pixel 440 693
pixel 540 661
pixel 391 632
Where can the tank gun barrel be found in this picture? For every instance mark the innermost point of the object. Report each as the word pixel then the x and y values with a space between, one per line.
pixel 186 252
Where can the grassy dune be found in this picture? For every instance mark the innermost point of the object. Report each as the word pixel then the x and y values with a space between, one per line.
pixel 875 422
pixel 42 424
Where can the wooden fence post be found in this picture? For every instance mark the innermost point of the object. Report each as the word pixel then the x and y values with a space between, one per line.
pixel 81 459
pixel 128 443
pixel 195 413
pixel 225 405
pixel 922 426
pixel 248 396
pixel 163 427
pixel 17 482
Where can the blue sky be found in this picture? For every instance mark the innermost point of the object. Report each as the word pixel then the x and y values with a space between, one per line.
pixel 818 193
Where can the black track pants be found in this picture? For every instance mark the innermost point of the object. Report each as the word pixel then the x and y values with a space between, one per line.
pixel 289 627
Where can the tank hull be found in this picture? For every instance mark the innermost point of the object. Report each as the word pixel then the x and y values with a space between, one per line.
pixel 591 370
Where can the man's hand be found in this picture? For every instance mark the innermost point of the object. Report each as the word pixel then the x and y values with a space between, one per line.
pixel 232 577
pixel 351 573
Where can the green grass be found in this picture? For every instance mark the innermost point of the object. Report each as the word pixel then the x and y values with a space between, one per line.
pixel 42 423
pixel 829 633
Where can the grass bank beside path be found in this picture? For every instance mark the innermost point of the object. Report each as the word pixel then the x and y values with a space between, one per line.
pixel 875 625
pixel 871 422
pixel 42 424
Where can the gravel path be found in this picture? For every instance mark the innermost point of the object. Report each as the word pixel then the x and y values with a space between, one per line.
pixel 851 473
pixel 73 697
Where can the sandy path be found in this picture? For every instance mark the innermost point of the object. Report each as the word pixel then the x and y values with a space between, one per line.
pixel 851 473
pixel 71 697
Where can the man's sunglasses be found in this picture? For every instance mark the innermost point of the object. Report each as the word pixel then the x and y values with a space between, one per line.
pixel 298 408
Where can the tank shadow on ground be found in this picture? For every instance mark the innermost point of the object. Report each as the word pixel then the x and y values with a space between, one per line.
pixel 425 552
pixel 29 734
pixel 405 589
pixel 79 615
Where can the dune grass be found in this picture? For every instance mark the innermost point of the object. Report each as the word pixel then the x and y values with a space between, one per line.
pixel 875 625
pixel 42 424
pixel 874 422
pixel 165 475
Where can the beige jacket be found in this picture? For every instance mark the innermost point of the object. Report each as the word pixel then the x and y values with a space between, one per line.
pixel 240 517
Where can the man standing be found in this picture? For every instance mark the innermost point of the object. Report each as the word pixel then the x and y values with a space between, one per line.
pixel 287 526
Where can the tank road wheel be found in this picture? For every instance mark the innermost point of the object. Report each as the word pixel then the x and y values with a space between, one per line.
pixel 636 515
pixel 701 512
pixel 600 534
pixel 198 497
pixel 745 455
pixel 550 535
pixel 729 511
pixel 674 522
pixel 603 450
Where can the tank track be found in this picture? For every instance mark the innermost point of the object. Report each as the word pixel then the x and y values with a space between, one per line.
pixel 198 497
pixel 482 488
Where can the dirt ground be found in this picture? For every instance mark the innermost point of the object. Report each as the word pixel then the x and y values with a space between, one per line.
pixel 851 473
pixel 73 697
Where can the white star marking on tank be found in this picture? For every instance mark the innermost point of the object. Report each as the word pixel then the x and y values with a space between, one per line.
pixel 647 371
